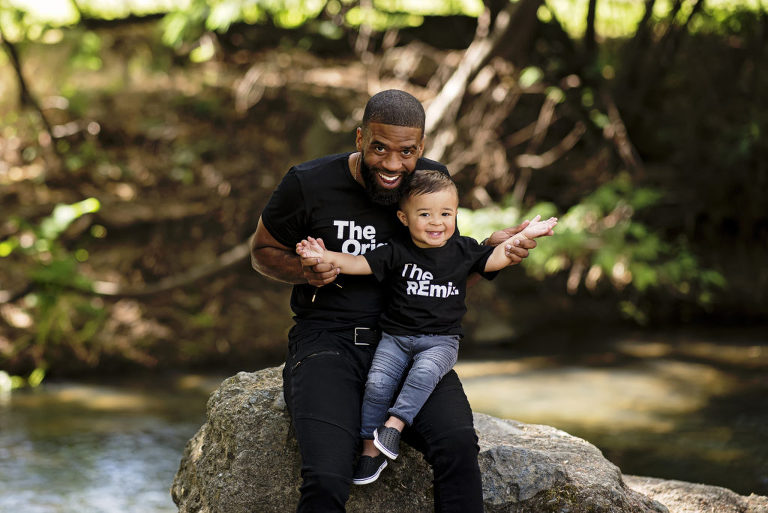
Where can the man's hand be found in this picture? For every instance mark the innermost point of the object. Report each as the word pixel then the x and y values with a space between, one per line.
pixel 317 272
pixel 518 250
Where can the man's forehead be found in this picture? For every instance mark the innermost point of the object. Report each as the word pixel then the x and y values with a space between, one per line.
pixel 393 135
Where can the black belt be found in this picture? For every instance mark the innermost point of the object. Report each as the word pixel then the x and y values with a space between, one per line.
pixel 366 336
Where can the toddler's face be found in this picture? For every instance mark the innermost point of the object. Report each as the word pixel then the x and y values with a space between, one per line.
pixel 431 218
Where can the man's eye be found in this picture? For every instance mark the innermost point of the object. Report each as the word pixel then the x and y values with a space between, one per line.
pixel 379 149
pixel 407 153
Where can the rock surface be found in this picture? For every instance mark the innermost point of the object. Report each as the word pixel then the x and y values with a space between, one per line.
pixel 245 459
pixel 682 497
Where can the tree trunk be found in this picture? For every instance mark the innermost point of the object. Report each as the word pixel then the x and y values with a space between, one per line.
pixel 590 42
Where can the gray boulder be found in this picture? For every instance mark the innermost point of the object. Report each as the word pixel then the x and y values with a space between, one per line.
pixel 244 459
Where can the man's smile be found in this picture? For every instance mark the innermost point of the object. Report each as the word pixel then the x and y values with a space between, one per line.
pixel 389 181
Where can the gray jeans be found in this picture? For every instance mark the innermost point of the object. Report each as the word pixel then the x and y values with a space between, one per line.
pixel 433 356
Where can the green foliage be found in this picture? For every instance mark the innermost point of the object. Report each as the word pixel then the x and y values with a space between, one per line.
pixel 187 23
pixel 599 239
pixel 87 54
pixel 530 76
pixel 184 25
pixel 63 317
pixel 9 382
pixel 614 18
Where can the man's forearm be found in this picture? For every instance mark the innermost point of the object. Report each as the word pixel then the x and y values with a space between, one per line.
pixel 277 264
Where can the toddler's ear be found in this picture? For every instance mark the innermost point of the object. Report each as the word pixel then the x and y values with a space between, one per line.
pixel 403 218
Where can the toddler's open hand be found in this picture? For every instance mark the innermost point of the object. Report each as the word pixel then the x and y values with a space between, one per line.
pixel 538 228
pixel 310 248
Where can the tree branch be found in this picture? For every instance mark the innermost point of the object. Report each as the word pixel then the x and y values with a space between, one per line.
pixel 478 53
pixel 27 99
pixel 617 132
pixel 25 96
pixel 550 156
pixel 229 259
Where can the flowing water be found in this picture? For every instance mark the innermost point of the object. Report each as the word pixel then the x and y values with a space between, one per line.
pixel 94 448
pixel 692 410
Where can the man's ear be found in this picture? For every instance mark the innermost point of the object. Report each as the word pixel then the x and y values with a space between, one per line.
pixel 403 218
pixel 420 149
pixel 359 139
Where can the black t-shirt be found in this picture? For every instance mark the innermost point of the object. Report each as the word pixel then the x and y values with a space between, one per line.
pixel 427 285
pixel 321 199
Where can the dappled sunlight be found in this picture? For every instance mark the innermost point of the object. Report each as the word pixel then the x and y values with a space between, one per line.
pixel 199 383
pixel 685 406
pixel 92 398
pixel 64 11
pixel 747 355
pixel 644 396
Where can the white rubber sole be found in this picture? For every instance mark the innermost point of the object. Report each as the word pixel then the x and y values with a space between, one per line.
pixel 373 478
pixel 389 454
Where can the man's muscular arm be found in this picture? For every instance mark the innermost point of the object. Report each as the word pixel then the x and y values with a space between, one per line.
pixel 276 261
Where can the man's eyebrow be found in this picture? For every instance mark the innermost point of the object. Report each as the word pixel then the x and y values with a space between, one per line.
pixel 404 147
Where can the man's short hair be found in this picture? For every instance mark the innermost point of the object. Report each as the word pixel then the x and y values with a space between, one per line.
pixel 426 181
pixel 394 107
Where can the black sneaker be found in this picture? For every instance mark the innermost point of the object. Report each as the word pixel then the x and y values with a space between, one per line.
pixel 368 469
pixel 387 440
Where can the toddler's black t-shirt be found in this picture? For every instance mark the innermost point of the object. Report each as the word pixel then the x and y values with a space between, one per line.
pixel 427 285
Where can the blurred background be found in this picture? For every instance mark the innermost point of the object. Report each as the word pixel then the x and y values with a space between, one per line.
pixel 140 139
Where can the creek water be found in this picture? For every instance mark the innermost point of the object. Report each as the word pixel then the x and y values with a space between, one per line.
pixel 693 410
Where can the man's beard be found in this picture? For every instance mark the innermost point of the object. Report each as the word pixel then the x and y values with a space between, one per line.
pixel 378 194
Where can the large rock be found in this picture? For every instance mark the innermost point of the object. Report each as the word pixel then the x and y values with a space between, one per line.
pixel 244 459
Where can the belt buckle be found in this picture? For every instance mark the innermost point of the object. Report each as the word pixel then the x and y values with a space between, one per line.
pixel 361 343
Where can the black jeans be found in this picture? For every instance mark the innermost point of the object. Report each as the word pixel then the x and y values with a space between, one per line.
pixel 324 381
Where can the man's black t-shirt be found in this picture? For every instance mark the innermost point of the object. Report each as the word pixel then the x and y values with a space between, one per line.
pixel 427 286
pixel 321 199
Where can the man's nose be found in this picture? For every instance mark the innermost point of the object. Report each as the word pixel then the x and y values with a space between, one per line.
pixel 392 163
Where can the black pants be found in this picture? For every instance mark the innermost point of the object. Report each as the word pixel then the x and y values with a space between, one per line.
pixel 324 381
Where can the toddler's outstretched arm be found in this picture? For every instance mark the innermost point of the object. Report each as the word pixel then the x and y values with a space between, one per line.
pixel 536 228
pixel 347 264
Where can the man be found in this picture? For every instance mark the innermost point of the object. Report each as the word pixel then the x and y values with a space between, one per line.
pixel 348 202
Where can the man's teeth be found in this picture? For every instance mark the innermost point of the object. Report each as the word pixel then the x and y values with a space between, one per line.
pixel 389 179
